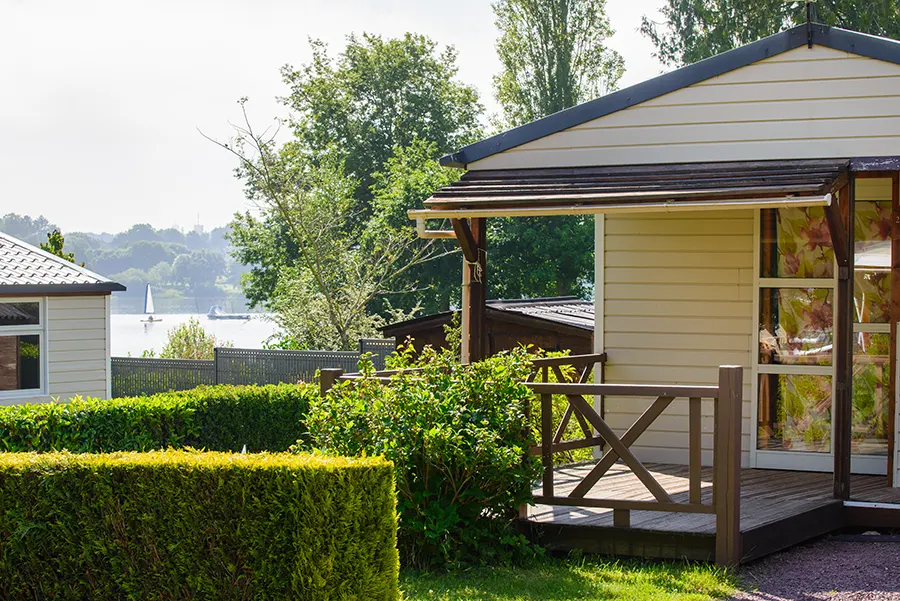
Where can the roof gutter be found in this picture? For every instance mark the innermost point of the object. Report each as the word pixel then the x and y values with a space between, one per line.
pixel 420 215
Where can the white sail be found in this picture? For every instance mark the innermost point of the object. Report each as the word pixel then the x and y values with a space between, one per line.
pixel 148 301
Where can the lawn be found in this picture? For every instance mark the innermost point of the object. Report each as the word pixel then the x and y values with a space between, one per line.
pixel 571 580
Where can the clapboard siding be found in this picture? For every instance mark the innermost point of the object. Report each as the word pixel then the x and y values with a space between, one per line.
pixel 85 368
pixel 674 321
pixel 804 103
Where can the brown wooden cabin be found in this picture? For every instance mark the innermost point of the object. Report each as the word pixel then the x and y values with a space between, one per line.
pixel 551 324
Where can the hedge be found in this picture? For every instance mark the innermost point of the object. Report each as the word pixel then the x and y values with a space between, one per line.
pixel 171 525
pixel 217 418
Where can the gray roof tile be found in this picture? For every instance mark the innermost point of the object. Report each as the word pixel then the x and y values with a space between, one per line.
pixel 26 269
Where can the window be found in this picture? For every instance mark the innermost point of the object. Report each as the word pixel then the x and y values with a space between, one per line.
pixel 795 331
pixel 21 347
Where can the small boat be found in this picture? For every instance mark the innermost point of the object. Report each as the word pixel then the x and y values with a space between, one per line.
pixel 148 307
pixel 217 312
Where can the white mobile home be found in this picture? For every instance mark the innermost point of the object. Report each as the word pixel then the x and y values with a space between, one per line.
pixel 747 213
pixel 54 326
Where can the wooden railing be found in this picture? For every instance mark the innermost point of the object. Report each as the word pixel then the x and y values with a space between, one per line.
pixel 574 386
pixel 597 433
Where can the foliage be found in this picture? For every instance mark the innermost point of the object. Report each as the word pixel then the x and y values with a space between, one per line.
pixel 455 435
pixel 554 56
pixel 409 178
pixel 190 341
pixel 532 257
pixel 187 525
pixel 573 579
pixel 199 268
pixel 32 230
pixel 383 110
pixel 696 29
pixel 54 246
pixel 218 418
pixel 377 95
pixel 322 298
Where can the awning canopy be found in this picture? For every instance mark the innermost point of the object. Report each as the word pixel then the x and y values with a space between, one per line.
pixel 683 186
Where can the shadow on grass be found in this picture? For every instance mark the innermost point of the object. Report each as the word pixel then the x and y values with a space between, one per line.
pixel 568 580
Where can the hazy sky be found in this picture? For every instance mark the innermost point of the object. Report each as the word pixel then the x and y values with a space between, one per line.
pixel 100 101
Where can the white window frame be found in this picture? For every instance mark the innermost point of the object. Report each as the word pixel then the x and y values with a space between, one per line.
pixel 795 460
pixel 39 330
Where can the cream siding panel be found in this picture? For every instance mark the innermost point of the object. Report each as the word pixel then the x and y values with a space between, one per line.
pixel 676 308
pixel 790 106
pixel 77 337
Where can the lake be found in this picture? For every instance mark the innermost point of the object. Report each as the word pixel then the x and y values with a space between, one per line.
pixel 130 336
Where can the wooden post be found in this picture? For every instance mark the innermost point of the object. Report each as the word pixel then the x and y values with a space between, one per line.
pixel 695 450
pixel 547 443
pixel 895 318
pixel 622 518
pixel 842 405
pixel 728 466
pixel 327 378
pixel 472 237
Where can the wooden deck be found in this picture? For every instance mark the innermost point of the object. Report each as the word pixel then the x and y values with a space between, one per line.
pixel 778 509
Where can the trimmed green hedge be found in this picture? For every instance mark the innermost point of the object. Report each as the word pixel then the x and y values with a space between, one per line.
pixel 217 418
pixel 189 525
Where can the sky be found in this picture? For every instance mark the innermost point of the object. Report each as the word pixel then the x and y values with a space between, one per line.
pixel 102 102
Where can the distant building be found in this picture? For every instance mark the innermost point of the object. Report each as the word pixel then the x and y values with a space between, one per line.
pixel 54 326
pixel 553 324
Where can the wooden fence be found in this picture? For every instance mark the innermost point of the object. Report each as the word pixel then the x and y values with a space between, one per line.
pixel 138 376
pixel 726 485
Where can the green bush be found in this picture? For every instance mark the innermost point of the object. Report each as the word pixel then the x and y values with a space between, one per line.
pixel 218 418
pixel 459 441
pixel 188 525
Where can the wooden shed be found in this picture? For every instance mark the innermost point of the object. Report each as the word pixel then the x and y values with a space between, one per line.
pixel 747 213
pixel 54 327
pixel 552 324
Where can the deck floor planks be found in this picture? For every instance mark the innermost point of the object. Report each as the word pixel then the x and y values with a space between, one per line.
pixel 767 496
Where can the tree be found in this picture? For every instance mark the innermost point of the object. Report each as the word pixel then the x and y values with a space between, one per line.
pixel 321 300
pixel 409 178
pixel 190 341
pixel 376 98
pixel 378 95
pixel 54 246
pixel 25 228
pixel 696 29
pixel 554 56
pixel 162 273
pixel 199 268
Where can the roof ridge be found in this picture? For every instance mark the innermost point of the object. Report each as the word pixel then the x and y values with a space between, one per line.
pixel 854 42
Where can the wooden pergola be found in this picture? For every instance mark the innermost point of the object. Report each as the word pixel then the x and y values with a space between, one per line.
pixel 479 195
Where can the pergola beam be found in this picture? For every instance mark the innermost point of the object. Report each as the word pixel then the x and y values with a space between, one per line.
pixel 841 225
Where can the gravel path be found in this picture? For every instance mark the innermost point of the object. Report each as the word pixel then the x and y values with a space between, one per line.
pixel 828 569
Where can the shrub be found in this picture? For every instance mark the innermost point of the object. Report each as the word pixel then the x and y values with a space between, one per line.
pixel 186 525
pixel 459 441
pixel 218 418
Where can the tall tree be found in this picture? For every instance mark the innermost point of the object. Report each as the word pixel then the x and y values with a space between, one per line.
pixel 692 30
pixel 554 56
pixel 380 100
pixel 321 299
pixel 377 95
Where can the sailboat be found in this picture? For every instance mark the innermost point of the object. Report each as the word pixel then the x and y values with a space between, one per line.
pixel 148 306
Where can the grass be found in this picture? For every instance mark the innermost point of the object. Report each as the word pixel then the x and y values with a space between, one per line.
pixel 571 580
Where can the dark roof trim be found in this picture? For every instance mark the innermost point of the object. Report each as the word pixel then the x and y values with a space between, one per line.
pixel 38 289
pixel 822 35
pixel 503 315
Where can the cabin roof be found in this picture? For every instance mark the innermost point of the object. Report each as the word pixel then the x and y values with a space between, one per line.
pixel 568 311
pixel 861 44
pixel 25 269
